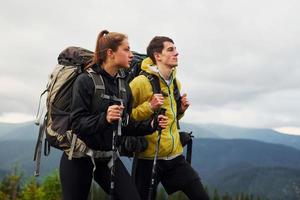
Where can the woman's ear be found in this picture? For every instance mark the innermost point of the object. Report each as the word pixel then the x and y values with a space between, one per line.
pixel 110 53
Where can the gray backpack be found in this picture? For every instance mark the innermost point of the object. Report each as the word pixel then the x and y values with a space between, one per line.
pixel 54 121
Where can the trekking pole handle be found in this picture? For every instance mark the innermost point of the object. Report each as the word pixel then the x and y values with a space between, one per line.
pixel 120 122
pixel 162 111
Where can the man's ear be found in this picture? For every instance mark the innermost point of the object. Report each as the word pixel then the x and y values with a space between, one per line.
pixel 157 56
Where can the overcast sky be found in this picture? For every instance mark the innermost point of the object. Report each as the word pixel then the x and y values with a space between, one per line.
pixel 239 60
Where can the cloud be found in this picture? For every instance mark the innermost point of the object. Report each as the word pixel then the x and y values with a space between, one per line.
pixel 289 130
pixel 15 117
pixel 239 60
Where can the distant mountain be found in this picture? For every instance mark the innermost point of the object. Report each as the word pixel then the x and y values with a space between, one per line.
pixel 28 131
pixel 6 128
pixel 270 182
pixel 20 153
pixel 233 132
pixel 211 156
pixel 198 130
pixel 240 165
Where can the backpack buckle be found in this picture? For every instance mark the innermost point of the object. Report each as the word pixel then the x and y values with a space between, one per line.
pixel 150 77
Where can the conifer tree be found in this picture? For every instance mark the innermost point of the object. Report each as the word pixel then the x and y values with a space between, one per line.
pixel 32 191
pixel 10 185
pixel 3 196
pixel 216 195
pixel 226 196
pixel 51 187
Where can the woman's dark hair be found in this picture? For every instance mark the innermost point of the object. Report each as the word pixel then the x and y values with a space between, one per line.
pixel 156 45
pixel 106 40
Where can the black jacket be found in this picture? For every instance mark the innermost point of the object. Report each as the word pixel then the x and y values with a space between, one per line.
pixel 90 123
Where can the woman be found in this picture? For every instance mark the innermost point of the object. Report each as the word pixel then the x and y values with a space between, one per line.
pixel 95 125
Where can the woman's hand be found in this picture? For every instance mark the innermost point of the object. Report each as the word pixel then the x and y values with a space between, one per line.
pixel 114 113
pixel 162 122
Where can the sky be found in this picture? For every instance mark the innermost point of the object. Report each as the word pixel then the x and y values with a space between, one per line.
pixel 239 60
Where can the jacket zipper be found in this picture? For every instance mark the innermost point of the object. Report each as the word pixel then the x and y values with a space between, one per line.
pixel 172 109
pixel 174 117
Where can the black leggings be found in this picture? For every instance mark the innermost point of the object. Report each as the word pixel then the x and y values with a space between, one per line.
pixel 175 175
pixel 195 190
pixel 76 177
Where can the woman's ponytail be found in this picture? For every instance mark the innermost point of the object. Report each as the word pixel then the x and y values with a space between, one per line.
pixel 106 40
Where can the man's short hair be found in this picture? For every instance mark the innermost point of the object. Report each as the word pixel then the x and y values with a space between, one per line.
pixel 156 45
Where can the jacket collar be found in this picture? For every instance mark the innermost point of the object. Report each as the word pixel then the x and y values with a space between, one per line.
pixel 151 68
pixel 99 70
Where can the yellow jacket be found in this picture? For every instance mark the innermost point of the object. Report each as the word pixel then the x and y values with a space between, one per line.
pixel 170 145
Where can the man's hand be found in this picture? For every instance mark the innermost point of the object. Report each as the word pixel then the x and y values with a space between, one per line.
pixel 184 103
pixel 157 100
pixel 114 113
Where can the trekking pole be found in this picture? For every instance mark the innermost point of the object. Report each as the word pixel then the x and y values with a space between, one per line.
pixel 112 169
pixel 189 149
pixel 116 133
pixel 153 174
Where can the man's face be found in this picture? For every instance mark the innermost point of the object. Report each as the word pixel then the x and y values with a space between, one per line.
pixel 168 56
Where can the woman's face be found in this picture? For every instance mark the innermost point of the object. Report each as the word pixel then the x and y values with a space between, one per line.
pixel 123 55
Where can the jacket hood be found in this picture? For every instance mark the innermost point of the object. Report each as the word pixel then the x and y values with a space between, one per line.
pixel 149 67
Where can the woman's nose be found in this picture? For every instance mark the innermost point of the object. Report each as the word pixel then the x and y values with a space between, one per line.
pixel 131 54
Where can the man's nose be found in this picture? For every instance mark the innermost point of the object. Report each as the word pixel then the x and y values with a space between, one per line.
pixel 176 53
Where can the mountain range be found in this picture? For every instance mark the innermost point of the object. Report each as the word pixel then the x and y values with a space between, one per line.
pixel 233 132
pixel 16 132
pixel 228 158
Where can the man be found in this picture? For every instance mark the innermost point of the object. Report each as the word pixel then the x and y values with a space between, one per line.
pixel 172 170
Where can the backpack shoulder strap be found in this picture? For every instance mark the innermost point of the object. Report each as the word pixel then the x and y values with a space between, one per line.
pixel 177 95
pixel 100 89
pixel 98 82
pixel 154 81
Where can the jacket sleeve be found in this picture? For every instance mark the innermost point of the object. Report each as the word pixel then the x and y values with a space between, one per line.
pixel 141 95
pixel 134 127
pixel 138 128
pixel 83 121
